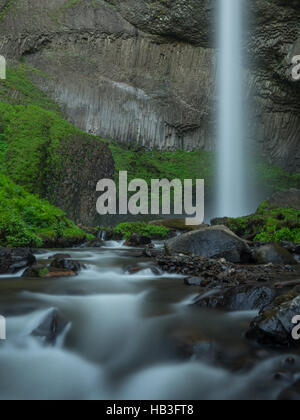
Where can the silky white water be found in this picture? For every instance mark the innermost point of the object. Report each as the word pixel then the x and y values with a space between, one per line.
pixel 232 185
pixel 123 338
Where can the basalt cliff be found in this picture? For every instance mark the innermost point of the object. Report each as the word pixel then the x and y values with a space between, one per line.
pixel 145 71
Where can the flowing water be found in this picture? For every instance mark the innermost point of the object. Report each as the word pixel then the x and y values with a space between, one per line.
pixel 232 172
pixel 127 337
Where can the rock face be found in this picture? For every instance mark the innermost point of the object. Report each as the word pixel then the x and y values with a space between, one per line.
pixel 274 325
pixel 243 298
pixel 14 260
pixel 274 254
pixel 211 242
pixel 51 327
pixel 145 70
pixel 286 199
pixel 65 264
pixel 137 240
pixel 85 161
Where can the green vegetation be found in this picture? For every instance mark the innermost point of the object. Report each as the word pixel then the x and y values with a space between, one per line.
pixel 269 224
pixel 32 146
pixel 17 89
pixel 155 164
pixel 33 139
pixel 153 232
pixel 272 178
pixel 180 164
pixel 27 221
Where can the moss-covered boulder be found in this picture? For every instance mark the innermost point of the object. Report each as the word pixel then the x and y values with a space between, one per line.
pixel 268 224
pixel 274 325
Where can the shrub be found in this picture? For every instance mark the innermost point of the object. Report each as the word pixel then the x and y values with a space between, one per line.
pixel 153 232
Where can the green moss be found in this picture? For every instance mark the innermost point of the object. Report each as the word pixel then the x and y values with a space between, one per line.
pixel 155 164
pixel 272 178
pixel 269 224
pixel 43 272
pixel 18 89
pixel 33 145
pixel 27 221
pixel 153 232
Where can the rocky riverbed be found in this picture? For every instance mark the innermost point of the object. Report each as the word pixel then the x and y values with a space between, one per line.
pixel 207 300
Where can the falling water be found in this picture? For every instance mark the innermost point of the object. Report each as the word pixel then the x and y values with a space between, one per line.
pixel 231 136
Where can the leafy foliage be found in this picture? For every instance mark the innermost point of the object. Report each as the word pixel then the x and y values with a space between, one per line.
pixel 27 221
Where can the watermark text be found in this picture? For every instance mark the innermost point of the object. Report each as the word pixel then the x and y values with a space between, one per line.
pixel 137 198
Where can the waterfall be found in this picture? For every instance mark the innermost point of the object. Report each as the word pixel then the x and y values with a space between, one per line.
pixel 232 188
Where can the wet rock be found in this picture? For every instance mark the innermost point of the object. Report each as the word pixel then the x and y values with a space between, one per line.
pixel 60 256
pixel 211 242
pixel 54 273
pixel 273 327
pixel 243 298
pixel 175 225
pixel 194 281
pixel 274 254
pixel 65 264
pixel 286 199
pixel 151 252
pixel 51 327
pixel 14 260
pixel 291 394
pixel 138 269
pixel 95 243
pixel 136 240
pixel 42 271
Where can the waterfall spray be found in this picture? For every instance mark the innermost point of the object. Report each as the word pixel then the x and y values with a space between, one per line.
pixel 231 136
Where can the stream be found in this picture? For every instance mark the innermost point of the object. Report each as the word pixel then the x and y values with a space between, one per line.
pixel 128 337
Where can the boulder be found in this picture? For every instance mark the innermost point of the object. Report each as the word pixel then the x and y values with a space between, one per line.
pixel 175 224
pixel 286 199
pixel 273 327
pixel 136 240
pixel 137 269
pixel 65 264
pixel 51 327
pixel 275 254
pixel 243 298
pixel 60 256
pixel 210 242
pixel 14 260
pixel 194 281
pixel 95 243
pixel 42 271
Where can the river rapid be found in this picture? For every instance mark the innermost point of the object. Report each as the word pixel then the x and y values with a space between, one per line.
pixel 128 337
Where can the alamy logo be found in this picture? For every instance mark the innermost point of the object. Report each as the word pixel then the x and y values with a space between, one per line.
pixel 160 193
pixel 296 330
pixel 2 67
pixel 2 328
pixel 296 67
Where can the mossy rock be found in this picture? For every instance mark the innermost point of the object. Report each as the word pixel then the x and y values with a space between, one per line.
pixel 268 224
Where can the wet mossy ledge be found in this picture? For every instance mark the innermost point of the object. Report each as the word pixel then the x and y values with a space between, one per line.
pixel 46 154
pixel 268 224
pixel 27 221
